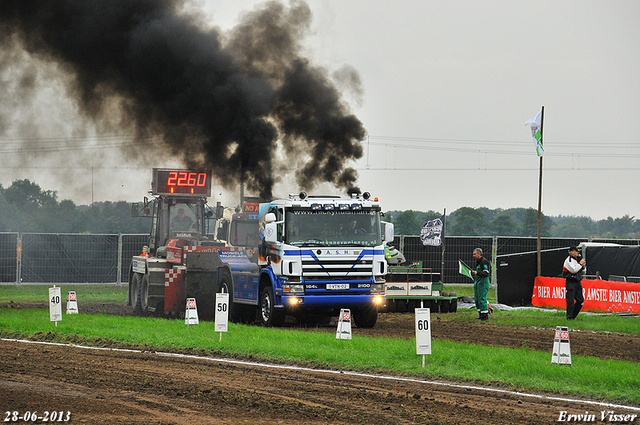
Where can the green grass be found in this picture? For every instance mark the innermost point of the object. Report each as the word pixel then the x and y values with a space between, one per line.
pixel 550 319
pixel 89 293
pixel 522 369
pixel 518 369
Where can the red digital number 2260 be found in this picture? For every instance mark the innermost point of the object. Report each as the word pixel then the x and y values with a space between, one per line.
pixel 183 178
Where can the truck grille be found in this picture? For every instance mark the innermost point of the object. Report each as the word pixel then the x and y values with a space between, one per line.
pixel 342 269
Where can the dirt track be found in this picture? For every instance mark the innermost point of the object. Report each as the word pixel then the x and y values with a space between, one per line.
pixel 101 387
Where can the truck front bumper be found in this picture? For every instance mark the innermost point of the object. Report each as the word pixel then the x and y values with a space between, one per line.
pixel 301 301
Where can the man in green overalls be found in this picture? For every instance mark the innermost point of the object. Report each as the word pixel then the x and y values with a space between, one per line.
pixel 481 282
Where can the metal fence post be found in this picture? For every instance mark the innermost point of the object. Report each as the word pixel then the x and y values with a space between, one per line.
pixel 18 259
pixel 494 255
pixel 119 279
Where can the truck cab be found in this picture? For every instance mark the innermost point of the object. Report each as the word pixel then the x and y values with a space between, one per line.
pixel 321 254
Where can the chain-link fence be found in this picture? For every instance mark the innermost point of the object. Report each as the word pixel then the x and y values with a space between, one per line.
pixel 83 258
pixel 9 255
pixel 67 258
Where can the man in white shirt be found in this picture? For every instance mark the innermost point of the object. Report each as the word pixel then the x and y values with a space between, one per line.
pixel 572 272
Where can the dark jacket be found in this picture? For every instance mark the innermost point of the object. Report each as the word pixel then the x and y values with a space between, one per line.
pixel 483 267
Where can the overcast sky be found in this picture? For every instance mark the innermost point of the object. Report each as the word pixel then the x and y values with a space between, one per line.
pixel 446 90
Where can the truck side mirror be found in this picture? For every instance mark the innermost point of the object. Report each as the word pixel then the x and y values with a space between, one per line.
pixel 270 218
pixel 270 231
pixel 387 230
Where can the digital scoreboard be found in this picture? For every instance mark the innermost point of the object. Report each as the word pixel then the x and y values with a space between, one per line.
pixel 168 181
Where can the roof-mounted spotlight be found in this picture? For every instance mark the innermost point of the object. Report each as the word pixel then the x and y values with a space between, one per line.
pixel 303 195
pixel 366 195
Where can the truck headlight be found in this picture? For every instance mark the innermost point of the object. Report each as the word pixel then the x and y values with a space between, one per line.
pixel 290 289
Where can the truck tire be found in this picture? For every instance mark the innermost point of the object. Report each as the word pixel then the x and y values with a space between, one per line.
pixel 365 317
pixel 136 284
pixel 269 315
pixel 226 283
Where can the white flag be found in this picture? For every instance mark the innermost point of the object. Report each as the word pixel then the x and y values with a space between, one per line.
pixel 536 132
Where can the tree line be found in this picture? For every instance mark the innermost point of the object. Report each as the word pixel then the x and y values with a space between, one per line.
pixel 467 221
pixel 26 207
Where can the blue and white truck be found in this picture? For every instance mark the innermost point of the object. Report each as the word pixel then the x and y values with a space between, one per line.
pixel 321 254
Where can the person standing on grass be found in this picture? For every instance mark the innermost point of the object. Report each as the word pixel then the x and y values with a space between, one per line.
pixel 572 272
pixel 481 283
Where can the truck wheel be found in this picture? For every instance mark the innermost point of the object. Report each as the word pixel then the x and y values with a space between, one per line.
pixel 226 285
pixel 144 293
pixel 136 283
pixel 365 317
pixel 268 313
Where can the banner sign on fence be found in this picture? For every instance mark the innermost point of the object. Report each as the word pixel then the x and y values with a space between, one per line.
pixel 432 232
pixel 599 295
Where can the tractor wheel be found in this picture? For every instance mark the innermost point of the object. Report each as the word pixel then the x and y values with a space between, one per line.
pixel 144 294
pixel 136 284
pixel 365 317
pixel 269 315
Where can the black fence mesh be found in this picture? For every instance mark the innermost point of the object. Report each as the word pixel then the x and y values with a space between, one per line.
pixel 8 257
pixel 68 258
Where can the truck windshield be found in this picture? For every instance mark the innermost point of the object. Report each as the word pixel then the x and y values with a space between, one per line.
pixel 184 217
pixel 244 233
pixel 332 228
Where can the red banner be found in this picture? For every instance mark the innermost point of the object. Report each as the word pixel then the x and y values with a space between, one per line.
pixel 599 295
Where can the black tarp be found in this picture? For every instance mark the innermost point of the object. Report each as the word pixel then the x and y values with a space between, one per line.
pixel 516 273
pixel 616 260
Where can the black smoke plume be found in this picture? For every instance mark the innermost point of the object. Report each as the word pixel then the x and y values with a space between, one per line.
pixel 220 101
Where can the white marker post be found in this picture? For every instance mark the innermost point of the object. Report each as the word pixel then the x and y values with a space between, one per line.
pixel 72 303
pixel 191 313
pixel 55 305
pixel 344 324
pixel 561 353
pixel 423 332
pixel 222 313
